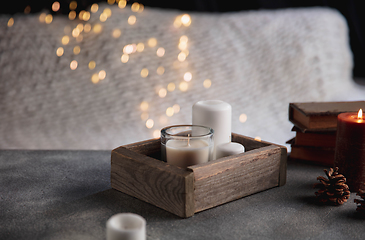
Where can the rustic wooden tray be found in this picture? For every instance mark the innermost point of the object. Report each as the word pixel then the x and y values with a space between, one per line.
pixel 137 171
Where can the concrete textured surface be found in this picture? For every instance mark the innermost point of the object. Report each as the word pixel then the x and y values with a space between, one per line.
pixel 67 195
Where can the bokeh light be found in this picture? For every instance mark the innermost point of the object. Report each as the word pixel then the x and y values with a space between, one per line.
pixel 207 83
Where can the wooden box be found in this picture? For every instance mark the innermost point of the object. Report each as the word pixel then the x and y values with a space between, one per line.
pixel 137 171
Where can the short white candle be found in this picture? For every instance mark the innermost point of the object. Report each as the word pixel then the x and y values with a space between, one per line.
pixel 183 153
pixel 228 149
pixel 126 226
pixel 217 115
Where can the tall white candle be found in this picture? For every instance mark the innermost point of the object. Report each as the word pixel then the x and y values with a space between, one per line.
pixel 217 115
pixel 126 226
pixel 186 153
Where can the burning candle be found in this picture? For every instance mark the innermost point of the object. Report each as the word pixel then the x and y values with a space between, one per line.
pixel 350 148
pixel 186 145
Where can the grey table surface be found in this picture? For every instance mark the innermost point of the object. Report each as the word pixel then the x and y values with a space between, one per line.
pixel 67 195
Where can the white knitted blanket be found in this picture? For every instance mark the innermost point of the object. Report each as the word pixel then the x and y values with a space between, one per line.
pixel 257 61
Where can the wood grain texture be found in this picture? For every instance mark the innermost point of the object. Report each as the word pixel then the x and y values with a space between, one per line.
pixel 233 177
pixel 251 144
pixel 153 181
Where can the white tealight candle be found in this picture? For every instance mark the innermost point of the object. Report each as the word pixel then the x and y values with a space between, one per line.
pixel 186 153
pixel 217 115
pixel 186 145
pixel 126 226
pixel 228 149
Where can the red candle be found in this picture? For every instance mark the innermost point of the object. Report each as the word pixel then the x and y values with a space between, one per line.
pixel 350 149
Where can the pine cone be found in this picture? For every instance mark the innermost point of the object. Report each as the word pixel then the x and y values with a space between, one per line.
pixel 333 190
pixel 360 208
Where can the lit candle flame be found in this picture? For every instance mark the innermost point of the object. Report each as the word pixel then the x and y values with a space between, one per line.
pixel 359 114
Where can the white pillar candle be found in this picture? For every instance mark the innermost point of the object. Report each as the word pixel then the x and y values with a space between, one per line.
pixel 217 115
pixel 228 149
pixel 126 226
pixel 186 153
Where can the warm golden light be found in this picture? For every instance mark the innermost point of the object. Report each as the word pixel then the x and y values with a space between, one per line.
pixel 140 47
pixel 188 76
pixel 243 118
pixel 150 123
pixel 144 106
pixel 181 57
pixel 92 65
pixel 103 17
pixel 141 7
pixel 186 20
pixel 124 58
pixel 177 22
pixel 65 40
pixel 102 74
pixel 60 51
pixel 160 70
pixel 81 14
pixel 144 72
pixel 49 18
pixel 182 45
pixel 94 8
pixel 169 111
pixel 184 39
pixel 73 5
pixel 108 12
pixel 160 52
pixel 171 87
pixel 76 50
pixel 80 26
pixel 359 114
pixel 86 16
pixel 152 42
pixel 122 3
pixel 116 33
pixel 56 6
pixel 97 28
pixel 111 2
pixel 132 20
pixel 183 86
pixel 73 64
pixel 75 32
pixel 10 22
pixel 130 48
pixel 162 92
pixel 42 17
pixel 207 83
pixel 258 139
pixel 156 133
pixel 87 27
pixel 95 78
pixel 72 15
pixel 135 7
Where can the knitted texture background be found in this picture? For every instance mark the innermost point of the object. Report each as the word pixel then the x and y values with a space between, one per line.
pixel 257 61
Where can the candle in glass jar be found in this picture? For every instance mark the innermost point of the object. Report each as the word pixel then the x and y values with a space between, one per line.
pixel 187 153
pixel 186 145
pixel 350 148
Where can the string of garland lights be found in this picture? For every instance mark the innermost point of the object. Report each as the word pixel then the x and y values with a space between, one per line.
pixel 81 28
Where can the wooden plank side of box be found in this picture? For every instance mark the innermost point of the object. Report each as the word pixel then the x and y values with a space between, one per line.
pixel 251 144
pixel 153 181
pixel 233 177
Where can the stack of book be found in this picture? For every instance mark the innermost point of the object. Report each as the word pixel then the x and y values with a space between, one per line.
pixel 315 124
